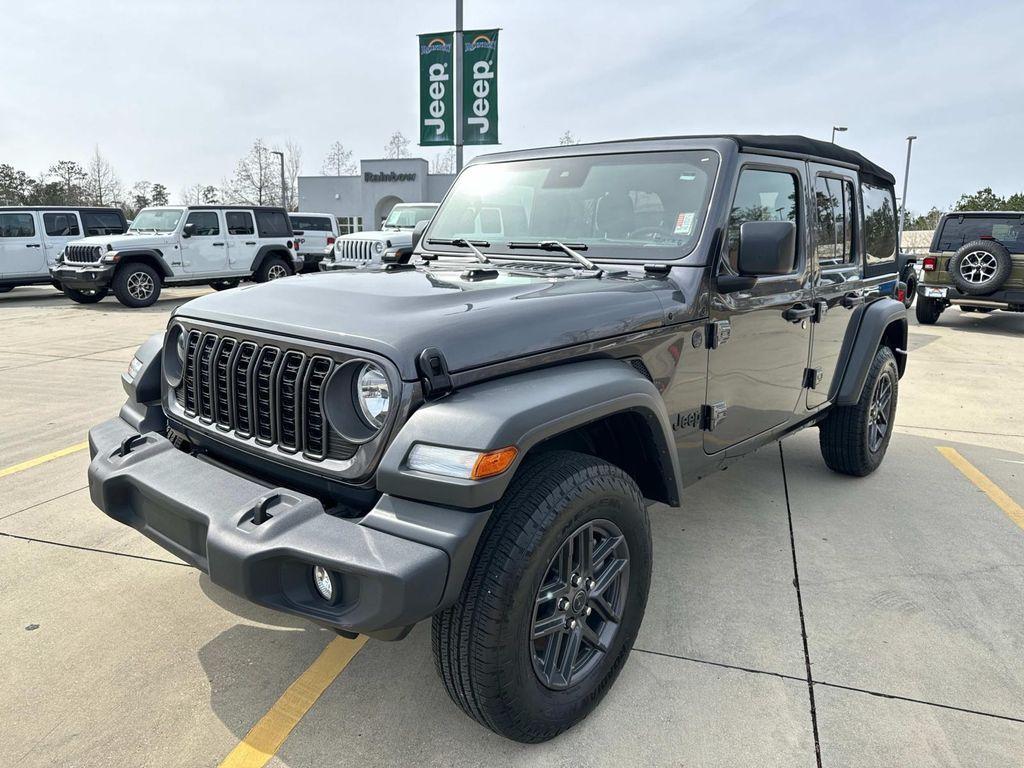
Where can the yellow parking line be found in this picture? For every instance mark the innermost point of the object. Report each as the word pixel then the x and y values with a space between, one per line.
pixel 43 459
pixel 267 736
pixel 1002 499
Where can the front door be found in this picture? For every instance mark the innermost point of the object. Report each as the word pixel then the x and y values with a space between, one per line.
pixel 21 245
pixel 59 228
pixel 205 252
pixel 241 240
pixel 836 273
pixel 760 338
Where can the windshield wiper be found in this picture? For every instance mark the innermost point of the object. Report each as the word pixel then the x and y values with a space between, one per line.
pixel 572 250
pixel 460 242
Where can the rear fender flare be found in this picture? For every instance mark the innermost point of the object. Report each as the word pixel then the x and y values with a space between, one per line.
pixel 270 251
pixel 881 320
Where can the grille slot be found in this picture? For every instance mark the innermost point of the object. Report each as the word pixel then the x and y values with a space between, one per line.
pixel 266 368
pixel 355 250
pixel 82 254
pixel 314 439
pixel 242 386
pixel 289 379
pixel 204 386
pixel 221 385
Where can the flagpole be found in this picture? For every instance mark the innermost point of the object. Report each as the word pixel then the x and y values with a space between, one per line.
pixel 457 80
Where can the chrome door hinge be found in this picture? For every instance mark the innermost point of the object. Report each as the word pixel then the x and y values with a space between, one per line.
pixel 712 415
pixel 718 333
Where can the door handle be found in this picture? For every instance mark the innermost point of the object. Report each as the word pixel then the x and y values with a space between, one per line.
pixel 797 313
pixel 220 244
pixel 851 300
pixel 33 245
pixel 250 242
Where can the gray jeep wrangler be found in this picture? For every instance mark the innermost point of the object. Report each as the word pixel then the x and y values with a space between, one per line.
pixel 473 432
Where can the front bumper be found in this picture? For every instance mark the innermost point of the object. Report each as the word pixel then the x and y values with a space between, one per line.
pixel 401 562
pixel 1011 297
pixel 85 278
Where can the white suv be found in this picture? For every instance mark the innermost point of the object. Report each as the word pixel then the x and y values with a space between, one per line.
pixel 32 238
pixel 314 234
pixel 362 248
pixel 187 245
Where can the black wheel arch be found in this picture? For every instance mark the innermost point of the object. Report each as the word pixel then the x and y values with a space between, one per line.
pixel 153 258
pixel 882 322
pixel 601 407
pixel 274 250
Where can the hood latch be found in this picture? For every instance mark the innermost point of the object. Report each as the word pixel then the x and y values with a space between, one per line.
pixel 434 376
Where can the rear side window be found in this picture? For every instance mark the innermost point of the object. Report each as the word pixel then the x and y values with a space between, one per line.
pixel 102 223
pixel 761 196
pixel 958 230
pixel 207 223
pixel 17 225
pixel 879 228
pixel 311 223
pixel 60 224
pixel 273 224
pixel 833 221
pixel 240 223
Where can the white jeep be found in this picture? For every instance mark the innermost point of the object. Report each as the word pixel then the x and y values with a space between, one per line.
pixel 361 248
pixel 180 245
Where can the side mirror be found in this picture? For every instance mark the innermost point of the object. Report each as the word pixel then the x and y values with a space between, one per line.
pixel 188 230
pixel 417 233
pixel 767 248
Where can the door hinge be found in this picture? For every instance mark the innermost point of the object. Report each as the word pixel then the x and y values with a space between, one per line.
pixel 434 376
pixel 718 333
pixel 813 377
pixel 711 415
pixel 820 310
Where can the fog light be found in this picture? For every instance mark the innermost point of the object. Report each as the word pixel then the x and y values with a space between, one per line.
pixel 323 582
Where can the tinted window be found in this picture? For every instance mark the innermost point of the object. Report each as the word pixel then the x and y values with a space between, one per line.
pixel 17 225
pixel 273 224
pixel 102 223
pixel 311 223
pixel 60 224
pixel 207 223
pixel 833 224
pixel 959 230
pixel 761 196
pixel 879 224
pixel 240 223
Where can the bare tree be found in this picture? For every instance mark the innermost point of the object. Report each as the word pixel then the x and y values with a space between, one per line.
pixel 102 186
pixel 292 169
pixel 397 147
pixel 70 176
pixel 257 179
pixel 338 161
pixel 444 162
pixel 568 138
pixel 199 194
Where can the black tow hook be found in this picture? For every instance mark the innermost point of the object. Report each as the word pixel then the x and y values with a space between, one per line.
pixel 129 444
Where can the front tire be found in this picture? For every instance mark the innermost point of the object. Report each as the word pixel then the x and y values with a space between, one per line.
pixel 223 285
pixel 928 310
pixel 854 438
pixel 137 285
pixel 86 297
pixel 553 601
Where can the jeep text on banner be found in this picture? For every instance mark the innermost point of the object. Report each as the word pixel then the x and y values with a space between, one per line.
pixel 437 94
pixel 480 86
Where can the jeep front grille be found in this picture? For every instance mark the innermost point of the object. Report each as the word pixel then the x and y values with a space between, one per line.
pixel 82 254
pixel 261 392
pixel 354 249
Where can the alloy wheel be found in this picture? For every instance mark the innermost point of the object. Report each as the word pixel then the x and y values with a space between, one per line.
pixel 978 267
pixel 880 413
pixel 579 606
pixel 276 271
pixel 140 286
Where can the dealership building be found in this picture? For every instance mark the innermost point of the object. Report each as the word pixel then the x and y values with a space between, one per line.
pixel 361 202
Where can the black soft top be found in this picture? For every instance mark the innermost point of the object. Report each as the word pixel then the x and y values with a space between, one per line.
pixel 801 145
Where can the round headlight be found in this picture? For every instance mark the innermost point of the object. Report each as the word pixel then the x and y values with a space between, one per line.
pixel 378 247
pixel 373 395
pixel 179 347
pixel 173 354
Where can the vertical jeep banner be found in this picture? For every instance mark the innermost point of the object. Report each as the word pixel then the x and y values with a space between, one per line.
pixel 480 86
pixel 437 93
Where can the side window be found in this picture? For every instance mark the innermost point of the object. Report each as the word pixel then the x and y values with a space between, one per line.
pixel 833 221
pixel 207 223
pixel 761 196
pixel 273 224
pixel 60 224
pixel 240 223
pixel 17 225
pixel 879 228
pixel 102 223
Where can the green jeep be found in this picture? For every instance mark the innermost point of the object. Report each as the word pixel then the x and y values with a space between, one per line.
pixel 976 261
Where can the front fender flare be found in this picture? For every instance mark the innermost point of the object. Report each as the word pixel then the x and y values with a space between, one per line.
pixel 523 410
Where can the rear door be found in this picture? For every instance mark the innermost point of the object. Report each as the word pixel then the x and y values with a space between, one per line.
pixel 21 245
pixel 205 252
pixel 241 240
pixel 59 228
pixel 836 272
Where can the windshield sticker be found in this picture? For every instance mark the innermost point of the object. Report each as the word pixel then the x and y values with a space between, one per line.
pixel 684 224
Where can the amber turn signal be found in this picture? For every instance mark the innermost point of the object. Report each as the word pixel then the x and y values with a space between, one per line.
pixel 493 463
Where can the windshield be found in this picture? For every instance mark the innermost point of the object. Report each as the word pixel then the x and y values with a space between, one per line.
pixel 638 206
pixel 156 220
pixel 407 217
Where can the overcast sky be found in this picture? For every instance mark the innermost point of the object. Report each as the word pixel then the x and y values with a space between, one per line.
pixel 175 91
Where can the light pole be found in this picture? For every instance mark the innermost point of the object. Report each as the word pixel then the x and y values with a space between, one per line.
pixel 284 198
pixel 837 129
pixel 458 85
pixel 906 179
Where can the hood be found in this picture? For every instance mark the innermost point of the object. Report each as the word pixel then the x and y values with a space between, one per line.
pixel 123 242
pixel 473 322
pixel 393 237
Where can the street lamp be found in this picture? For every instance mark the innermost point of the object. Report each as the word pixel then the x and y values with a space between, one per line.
pixel 837 129
pixel 906 179
pixel 284 199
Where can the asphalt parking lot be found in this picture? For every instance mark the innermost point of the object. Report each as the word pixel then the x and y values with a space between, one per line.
pixel 878 621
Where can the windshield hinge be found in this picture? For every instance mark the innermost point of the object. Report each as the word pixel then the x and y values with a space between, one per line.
pixel 434 376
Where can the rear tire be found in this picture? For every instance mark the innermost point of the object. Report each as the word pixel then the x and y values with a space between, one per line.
pixel 223 285
pixel 510 652
pixel 86 297
pixel 272 268
pixel 928 310
pixel 137 285
pixel 854 438
pixel 911 283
